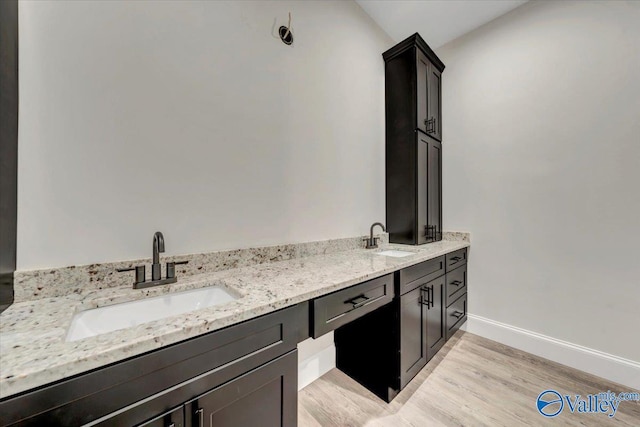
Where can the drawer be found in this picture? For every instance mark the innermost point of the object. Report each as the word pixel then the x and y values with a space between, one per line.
pixel 456 283
pixel 339 308
pixel 456 259
pixel 456 315
pixel 425 271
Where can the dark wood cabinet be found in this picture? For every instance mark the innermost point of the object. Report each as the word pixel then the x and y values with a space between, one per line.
pixel 266 396
pixel 422 92
pixel 456 315
pixel 429 187
pixel 174 418
pixel 422 327
pixel 341 307
pixel 434 103
pixel 413 334
pixel 456 292
pixel 456 259
pixel 9 41
pixel 407 333
pixel 149 387
pixel 435 316
pixel 428 96
pixel 413 106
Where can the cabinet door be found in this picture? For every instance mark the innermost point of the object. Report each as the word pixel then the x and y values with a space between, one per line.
pixel 429 189
pixel 422 187
pixel 436 333
pixel 422 88
pixel 434 108
pixel 266 396
pixel 413 334
pixel 173 418
pixel 434 191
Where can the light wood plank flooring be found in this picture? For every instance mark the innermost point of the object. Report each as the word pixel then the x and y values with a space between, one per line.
pixel 472 381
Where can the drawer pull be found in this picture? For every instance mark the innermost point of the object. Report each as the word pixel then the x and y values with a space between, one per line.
pixel 354 301
pixel 456 283
pixel 457 314
pixel 456 258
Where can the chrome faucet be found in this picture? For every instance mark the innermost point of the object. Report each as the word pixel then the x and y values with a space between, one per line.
pixel 156 269
pixel 158 247
pixel 372 242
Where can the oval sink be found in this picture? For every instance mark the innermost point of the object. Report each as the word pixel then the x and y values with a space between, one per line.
pixel 101 320
pixel 395 254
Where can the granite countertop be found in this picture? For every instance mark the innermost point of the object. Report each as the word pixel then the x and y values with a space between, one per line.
pixel 33 350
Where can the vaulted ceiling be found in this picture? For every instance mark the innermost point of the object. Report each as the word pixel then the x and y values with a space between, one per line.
pixel 437 21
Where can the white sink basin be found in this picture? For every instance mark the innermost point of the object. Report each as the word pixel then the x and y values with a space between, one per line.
pixel 120 316
pixel 395 254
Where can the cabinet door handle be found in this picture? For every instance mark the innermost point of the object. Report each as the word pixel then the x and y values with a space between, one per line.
pixel 357 304
pixel 425 301
pixel 456 283
pixel 429 299
pixel 430 231
pixel 431 296
pixel 200 414
pixel 457 314
pixel 431 125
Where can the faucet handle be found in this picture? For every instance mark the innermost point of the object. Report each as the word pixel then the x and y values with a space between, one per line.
pixel 171 268
pixel 140 272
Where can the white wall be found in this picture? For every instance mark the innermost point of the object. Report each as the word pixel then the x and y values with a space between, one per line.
pixel 316 357
pixel 194 119
pixel 542 164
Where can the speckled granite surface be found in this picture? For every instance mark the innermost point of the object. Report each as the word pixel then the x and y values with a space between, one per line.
pixel 33 350
pixel 457 236
pixel 38 284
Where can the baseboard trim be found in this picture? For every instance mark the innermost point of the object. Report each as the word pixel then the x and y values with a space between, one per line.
pixel 316 366
pixel 608 366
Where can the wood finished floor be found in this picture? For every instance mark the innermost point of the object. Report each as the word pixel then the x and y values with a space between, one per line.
pixel 472 381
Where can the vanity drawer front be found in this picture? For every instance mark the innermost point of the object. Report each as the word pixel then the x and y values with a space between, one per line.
pixel 456 259
pixel 425 271
pixel 456 283
pixel 339 308
pixel 456 315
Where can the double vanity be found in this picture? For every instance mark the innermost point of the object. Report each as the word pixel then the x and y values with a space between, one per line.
pixel 220 348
